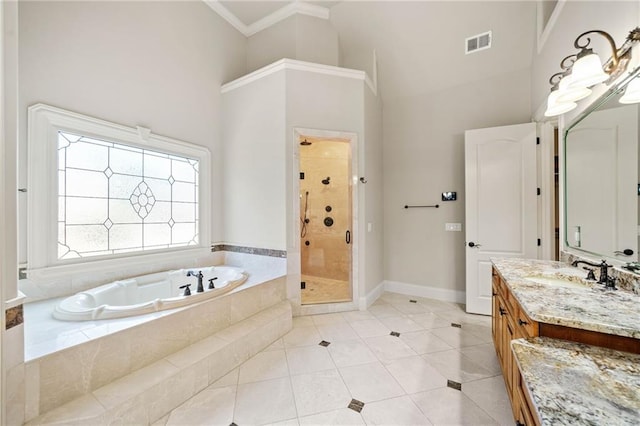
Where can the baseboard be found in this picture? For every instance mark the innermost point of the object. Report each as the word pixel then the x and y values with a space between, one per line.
pixel 443 294
pixel 368 299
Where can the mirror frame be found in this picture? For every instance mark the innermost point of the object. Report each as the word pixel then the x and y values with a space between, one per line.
pixel 603 99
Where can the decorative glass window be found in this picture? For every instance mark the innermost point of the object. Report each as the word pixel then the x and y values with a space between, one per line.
pixel 103 192
pixel 114 198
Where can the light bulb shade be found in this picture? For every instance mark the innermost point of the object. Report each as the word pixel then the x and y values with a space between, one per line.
pixel 556 108
pixel 587 71
pixel 631 93
pixel 568 94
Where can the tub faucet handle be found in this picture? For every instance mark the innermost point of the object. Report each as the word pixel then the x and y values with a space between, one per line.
pixel 187 290
pixel 211 280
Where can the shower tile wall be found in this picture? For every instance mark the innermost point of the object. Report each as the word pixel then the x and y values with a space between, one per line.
pixel 327 254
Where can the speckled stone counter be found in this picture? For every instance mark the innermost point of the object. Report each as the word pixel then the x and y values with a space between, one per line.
pixel 571 383
pixel 586 305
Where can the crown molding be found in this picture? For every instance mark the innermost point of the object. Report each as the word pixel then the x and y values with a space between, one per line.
pixel 284 12
pixel 292 64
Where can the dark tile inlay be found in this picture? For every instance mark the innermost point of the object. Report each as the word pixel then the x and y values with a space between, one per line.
pixel 14 316
pixel 233 424
pixel 454 385
pixel 395 334
pixel 413 301
pixel 324 343
pixel 456 325
pixel 356 405
pixel 249 250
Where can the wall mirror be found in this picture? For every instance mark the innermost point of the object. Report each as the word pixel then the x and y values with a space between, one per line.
pixel 602 187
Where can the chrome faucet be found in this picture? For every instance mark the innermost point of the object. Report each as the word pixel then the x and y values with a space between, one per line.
pixel 604 271
pixel 199 276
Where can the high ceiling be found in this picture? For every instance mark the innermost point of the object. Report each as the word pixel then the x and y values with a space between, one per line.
pixel 419 44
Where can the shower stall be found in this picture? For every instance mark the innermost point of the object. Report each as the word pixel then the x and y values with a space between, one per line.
pixel 325 220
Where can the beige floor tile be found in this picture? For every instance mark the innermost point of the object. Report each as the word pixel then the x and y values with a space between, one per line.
pixel 407 307
pixel 424 342
pixel 484 355
pixel 319 392
pixel 264 366
pixel 454 366
pixel 447 406
pixel 264 402
pixel 290 422
pixel 230 379
pixel 389 347
pixel 351 352
pixel 278 344
pixel 304 321
pixel 342 417
pixel 370 382
pixel 336 332
pixel 429 320
pixel 309 359
pixel 396 411
pixel 415 375
pixel 211 406
pixel 357 316
pixel 491 395
pixel 302 336
pixel 457 337
pixel 370 328
pixel 481 331
pixel 400 324
pixel 384 310
pixel 323 319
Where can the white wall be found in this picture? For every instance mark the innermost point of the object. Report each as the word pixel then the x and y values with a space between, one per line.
pixel 372 192
pixel 615 17
pixel 300 37
pixel 423 157
pixel 154 64
pixel 253 165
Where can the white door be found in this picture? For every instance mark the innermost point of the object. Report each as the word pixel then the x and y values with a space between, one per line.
pixel 501 205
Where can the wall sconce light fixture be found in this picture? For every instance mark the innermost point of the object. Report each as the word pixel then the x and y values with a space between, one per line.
pixel 585 69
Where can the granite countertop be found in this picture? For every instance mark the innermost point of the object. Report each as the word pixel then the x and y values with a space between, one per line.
pixel 573 383
pixel 585 305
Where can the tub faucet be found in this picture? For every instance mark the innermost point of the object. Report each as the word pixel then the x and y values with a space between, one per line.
pixel 604 270
pixel 199 276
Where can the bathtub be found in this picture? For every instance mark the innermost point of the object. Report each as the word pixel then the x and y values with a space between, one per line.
pixel 147 293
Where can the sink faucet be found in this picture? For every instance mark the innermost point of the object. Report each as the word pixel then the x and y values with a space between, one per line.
pixel 199 276
pixel 604 270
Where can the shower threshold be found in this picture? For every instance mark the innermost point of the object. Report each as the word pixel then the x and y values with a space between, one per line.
pixel 324 290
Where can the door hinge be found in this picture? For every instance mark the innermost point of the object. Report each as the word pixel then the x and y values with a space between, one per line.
pixel 303 285
pixel 538 191
pixel 539 242
pixel 537 140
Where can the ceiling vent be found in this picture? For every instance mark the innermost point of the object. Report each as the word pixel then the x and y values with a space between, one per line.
pixel 477 42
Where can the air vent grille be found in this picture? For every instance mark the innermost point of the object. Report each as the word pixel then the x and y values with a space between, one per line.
pixel 478 42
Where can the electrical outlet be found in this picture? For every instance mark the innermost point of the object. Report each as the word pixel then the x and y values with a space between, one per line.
pixel 453 227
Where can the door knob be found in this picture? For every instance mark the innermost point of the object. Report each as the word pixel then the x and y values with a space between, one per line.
pixel 472 244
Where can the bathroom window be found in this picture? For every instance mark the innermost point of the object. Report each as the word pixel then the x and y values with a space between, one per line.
pixel 101 192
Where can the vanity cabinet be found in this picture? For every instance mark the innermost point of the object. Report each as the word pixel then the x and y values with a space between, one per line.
pixel 510 322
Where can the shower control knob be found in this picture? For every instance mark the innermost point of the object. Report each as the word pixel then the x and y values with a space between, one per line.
pixel 328 209
pixel 328 221
pixel 306 243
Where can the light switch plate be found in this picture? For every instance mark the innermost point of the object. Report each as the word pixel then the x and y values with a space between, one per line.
pixel 453 227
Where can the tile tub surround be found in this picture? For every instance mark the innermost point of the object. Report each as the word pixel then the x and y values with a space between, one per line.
pixel 572 383
pixel 149 393
pixel 587 307
pixel 119 347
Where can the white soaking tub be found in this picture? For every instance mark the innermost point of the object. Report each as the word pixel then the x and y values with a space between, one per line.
pixel 148 293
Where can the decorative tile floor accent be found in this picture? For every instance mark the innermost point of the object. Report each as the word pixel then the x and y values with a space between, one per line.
pixel 456 325
pixel 401 381
pixel 454 385
pixel 395 334
pixel 413 301
pixel 249 250
pixel 324 343
pixel 356 405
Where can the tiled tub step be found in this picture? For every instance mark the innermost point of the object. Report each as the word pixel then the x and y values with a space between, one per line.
pixel 149 393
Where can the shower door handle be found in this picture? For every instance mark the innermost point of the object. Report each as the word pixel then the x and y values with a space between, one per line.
pixel 347 237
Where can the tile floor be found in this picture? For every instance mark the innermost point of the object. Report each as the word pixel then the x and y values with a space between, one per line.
pixel 401 380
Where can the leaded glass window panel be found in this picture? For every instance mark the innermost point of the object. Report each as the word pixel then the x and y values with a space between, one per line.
pixel 114 198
